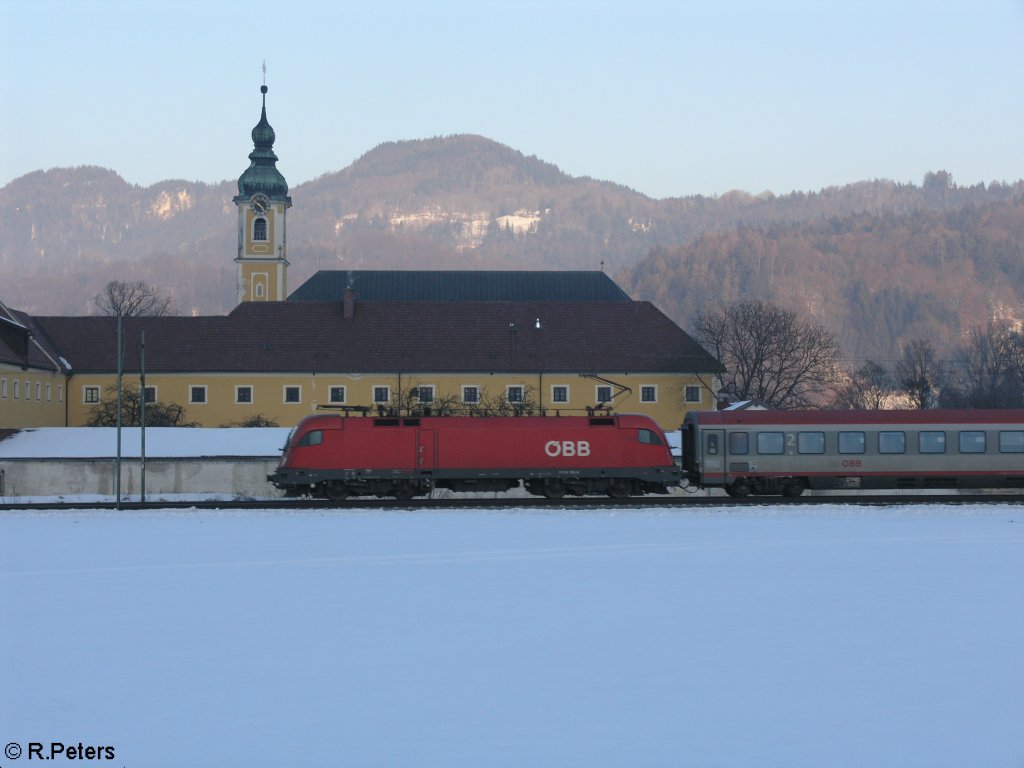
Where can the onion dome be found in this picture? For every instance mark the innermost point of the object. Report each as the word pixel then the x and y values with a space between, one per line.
pixel 262 176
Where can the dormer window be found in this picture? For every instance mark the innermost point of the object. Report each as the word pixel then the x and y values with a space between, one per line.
pixel 259 229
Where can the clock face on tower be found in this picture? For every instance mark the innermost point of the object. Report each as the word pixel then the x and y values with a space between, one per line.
pixel 260 203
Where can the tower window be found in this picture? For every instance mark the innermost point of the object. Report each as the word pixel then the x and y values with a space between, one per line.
pixel 259 229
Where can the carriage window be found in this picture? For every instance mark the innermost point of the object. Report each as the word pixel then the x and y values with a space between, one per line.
pixel 770 442
pixel 892 442
pixel 312 438
pixel 972 442
pixel 648 437
pixel 851 442
pixel 739 443
pixel 1011 442
pixel 712 445
pixel 931 442
pixel 810 442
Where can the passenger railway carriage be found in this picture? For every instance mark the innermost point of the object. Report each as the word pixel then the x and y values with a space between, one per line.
pixel 786 452
pixel 338 456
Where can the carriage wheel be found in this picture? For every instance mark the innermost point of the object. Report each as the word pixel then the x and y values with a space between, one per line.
pixel 794 489
pixel 738 489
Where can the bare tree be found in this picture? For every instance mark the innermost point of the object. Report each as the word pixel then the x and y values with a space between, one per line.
pixel 771 355
pixel 416 400
pixel 868 388
pixel 133 300
pixel 920 374
pixel 256 420
pixel 989 371
pixel 158 414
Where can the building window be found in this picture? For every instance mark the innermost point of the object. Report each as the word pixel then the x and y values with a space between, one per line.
pixel 293 394
pixel 381 395
pixel 17 389
pixel 39 391
pixel 336 394
pixel 243 394
pixel 604 395
pixel 90 395
pixel 648 394
pixel 471 394
pixel 514 394
pixel 259 229
pixel 3 389
pixel 49 392
pixel 150 394
pixel 197 393
pixel 692 394
pixel 60 393
pixel 559 394
pixel 259 290
pixel 425 393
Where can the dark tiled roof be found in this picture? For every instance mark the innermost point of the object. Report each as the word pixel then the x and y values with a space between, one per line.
pixel 22 343
pixel 466 285
pixel 391 337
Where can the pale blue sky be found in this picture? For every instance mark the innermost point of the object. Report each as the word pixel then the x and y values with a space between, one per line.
pixel 669 98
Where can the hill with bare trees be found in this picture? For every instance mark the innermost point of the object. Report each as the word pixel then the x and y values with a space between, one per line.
pixel 876 261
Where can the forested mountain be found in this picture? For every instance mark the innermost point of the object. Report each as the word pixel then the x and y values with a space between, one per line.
pixel 876 260
pixel 878 281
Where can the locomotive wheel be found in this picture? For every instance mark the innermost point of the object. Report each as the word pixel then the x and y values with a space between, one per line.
pixel 403 491
pixel 619 489
pixel 335 491
pixel 554 489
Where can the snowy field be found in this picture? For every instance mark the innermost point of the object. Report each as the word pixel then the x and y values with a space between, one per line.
pixel 837 636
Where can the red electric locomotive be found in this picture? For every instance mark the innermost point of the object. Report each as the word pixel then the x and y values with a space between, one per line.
pixel 336 456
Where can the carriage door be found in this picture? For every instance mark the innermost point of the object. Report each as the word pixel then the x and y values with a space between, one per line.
pixel 713 451
pixel 426 450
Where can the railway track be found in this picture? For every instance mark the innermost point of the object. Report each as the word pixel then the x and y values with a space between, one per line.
pixel 677 503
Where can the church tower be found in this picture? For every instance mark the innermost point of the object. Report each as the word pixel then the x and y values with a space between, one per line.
pixel 262 203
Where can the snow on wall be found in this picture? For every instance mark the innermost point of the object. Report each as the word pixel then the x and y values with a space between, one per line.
pixel 161 442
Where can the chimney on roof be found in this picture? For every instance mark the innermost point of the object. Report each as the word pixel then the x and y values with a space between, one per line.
pixel 348 305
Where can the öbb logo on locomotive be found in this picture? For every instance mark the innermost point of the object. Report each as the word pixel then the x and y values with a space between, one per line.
pixel 554 448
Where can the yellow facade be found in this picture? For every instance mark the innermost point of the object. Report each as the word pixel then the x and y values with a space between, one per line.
pixel 212 399
pixel 32 398
pixel 262 263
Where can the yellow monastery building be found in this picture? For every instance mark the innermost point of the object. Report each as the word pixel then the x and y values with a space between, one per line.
pixel 456 342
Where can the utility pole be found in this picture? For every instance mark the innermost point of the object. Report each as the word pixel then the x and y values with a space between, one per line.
pixel 142 411
pixel 117 463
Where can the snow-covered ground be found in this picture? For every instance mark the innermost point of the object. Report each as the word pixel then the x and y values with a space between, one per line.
pixel 838 636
